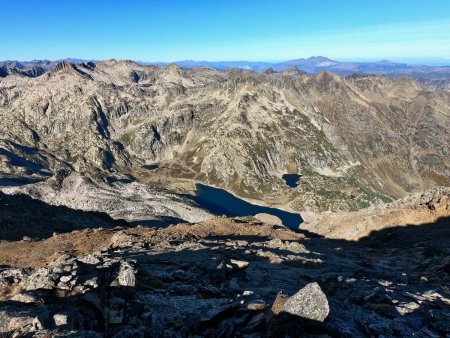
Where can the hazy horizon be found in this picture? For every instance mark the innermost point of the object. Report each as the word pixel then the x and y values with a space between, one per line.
pixel 410 61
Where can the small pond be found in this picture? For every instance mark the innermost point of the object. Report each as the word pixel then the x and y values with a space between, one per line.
pixel 291 179
pixel 150 166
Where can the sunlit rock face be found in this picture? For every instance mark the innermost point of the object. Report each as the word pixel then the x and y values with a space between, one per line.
pixel 355 140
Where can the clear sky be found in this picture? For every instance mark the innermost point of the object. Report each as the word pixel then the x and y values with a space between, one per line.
pixel 170 30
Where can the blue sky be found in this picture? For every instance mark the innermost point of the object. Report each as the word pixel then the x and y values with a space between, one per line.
pixel 169 30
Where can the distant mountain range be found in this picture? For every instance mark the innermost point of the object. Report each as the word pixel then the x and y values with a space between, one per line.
pixel 317 64
pixel 312 65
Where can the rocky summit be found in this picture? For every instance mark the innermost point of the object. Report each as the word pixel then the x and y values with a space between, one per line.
pixel 160 201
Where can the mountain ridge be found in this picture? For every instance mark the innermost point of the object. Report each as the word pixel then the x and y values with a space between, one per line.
pixel 312 64
pixel 356 140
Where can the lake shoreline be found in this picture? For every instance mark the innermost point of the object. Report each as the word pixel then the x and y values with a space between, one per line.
pixel 221 201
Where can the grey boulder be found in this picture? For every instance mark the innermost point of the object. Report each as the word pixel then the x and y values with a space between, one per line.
pixel 309 302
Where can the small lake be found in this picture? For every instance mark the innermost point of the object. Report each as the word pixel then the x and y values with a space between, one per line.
pixel 150 166
pixel 222 202
pixel 17 182
pixel 291 179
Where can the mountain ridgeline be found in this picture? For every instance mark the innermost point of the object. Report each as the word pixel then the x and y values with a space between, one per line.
pixel 436 75
pixel 355 140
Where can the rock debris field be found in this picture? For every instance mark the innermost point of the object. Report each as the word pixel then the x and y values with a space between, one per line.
pixel 226 278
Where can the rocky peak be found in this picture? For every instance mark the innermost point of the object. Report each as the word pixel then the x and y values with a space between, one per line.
pixel 269 71
pixel 292 70
pixel 174 68
pixel 63 66
pixel 318 59
pixel 327 76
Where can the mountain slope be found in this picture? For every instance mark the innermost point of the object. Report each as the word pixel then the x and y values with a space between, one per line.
pixel 355 140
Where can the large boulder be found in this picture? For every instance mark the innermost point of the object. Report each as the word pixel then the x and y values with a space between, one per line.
pixel 309 302
pixel 127 274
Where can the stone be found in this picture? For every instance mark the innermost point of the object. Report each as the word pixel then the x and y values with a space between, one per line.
pixel 12 275
pixel 129 332
pixel 63 286
pixel 92 283
pixel 254 322
pixel 309 302
pixel 65 260
pixel 215 268
pixel 60 319
pixel 178 275
pixel 404 278
pixel 89 259
pixel 269 219
pixel 240 265
pixel 41 279
pixel 127 274
pixel 234 285
pixel 116 310
pixel 430 333
pixel 441 322
pixel 218 311
pixel 256 305
pixel 182 289
pixel 65 279
pixel 24 298
pixel 80 289
pixel 18 320
pixel 405 308
pixel 210 290
pixel 378 295
pixel 94 299
pixel 278 303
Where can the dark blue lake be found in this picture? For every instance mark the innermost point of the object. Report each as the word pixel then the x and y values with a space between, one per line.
pixel 222 202
pixel 151 166
pixel 291 179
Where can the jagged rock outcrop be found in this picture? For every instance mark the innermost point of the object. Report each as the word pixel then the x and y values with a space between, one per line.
pixel 419 209
pixel 439 83
pixel 96 204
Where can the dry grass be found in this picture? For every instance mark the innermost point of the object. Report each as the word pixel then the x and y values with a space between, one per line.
pixel 36 254
pixel 436 177
pixel 8 291
pixel 223 227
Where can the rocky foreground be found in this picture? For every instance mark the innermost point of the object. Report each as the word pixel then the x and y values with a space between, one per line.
pixel 227 278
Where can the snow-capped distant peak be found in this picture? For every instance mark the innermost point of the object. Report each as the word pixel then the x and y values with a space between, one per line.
pixel 326 64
